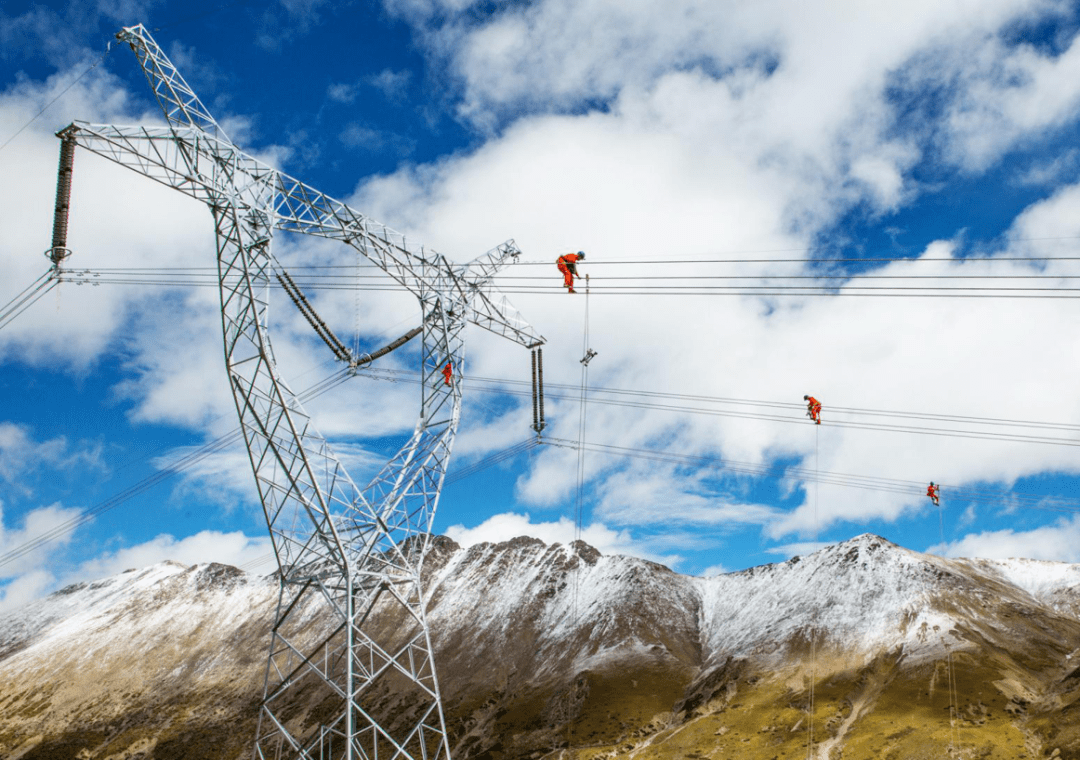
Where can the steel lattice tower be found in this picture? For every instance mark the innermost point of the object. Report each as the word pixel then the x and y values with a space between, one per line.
pixel 343 552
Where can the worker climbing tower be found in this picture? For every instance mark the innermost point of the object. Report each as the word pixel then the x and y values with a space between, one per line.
pixel 350 672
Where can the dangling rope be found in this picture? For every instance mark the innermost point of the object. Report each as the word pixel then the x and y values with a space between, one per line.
pixel 948 657
pixel 587 355
pixel 814 622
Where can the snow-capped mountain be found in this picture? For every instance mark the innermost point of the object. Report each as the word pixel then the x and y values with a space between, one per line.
pixel 863 649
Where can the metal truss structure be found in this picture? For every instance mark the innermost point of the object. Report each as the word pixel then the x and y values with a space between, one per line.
pixel 365 685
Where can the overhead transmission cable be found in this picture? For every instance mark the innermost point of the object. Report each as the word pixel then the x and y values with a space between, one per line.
pixel 478 466
pixel 47 106
pixel 30 295
pixel 696 285
pixel 650 402
pixel 186 462
pixel 798 475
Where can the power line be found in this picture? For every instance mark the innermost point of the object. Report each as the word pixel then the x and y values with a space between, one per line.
pixel 848 480
pixel 77 79
pixel 697 289
pixel 648 401
pixel 27 298
pixel 479 466
pixel 186 462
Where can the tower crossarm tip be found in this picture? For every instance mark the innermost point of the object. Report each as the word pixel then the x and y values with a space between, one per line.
pixel 181 106
pixel 491 309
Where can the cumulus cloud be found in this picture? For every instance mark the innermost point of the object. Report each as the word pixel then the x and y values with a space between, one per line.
pixel 637 132
pixel 1059 541
pixel 1063 168
pixel 508 525
pixel 21 547
pixel 762 143
pixel 1008 96
pixel 233 548
pixel 22 457
pixel 26 588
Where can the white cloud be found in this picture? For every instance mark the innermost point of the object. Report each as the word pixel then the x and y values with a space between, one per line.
pixel 797 549
pixel 1059 542
pixel 658 494
pixel 233 548
pixel 22 457
pixel 342 92
pixel 34 556
pixel 1064 167
pixel 508 525
pixel 392 84
pixel 1009 95
pixel 25 588
pixel 723 127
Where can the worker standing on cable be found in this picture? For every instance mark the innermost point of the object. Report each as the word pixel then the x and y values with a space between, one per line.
pixel 932 492
pixel 813 409
pixel 567 264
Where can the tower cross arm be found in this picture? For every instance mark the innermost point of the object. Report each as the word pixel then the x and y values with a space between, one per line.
pixel 181 105
pixel 499 316
pixel 185 159
pixel 301 208
pixel 491 309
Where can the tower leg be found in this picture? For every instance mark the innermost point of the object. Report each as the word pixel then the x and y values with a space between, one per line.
pixel 351 672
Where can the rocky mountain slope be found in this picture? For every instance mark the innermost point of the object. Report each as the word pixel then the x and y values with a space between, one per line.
pixel 861 650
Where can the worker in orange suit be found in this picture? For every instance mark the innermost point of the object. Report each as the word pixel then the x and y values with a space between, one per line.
pixel 932 492
pixel 813 408
pixel 448 372
pixel 567 264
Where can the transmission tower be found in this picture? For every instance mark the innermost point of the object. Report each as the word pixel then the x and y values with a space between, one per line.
pixel 363 686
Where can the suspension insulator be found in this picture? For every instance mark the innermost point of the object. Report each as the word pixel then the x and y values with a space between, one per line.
pixel 540 386
pixel 368 358
pixel 59 250
pixel 535 395
pixel 313 319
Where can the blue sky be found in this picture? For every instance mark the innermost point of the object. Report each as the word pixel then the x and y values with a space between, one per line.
pixel 679 141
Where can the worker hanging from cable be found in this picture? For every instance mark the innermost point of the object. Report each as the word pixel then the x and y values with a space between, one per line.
pixel 448 372
pixel 567 264
pixel 813 409
pixel 932 492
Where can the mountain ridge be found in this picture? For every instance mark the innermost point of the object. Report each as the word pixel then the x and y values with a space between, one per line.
pixel 539 645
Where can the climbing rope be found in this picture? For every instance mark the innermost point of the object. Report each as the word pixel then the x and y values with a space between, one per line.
pixel 948 658
pixel 814 620
pixel 587 355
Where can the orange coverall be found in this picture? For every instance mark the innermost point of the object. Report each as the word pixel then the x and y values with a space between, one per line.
pixel 567 264
pixel 447 372
pixel 932 492
pixel 815 409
